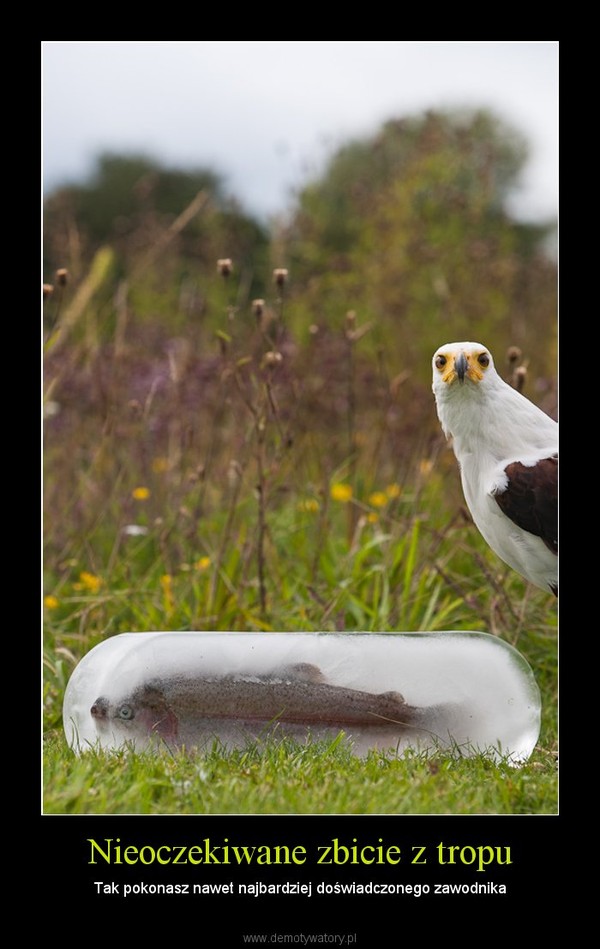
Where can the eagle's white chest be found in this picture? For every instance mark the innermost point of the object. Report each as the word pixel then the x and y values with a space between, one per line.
pixel 487 435
pixel 524 552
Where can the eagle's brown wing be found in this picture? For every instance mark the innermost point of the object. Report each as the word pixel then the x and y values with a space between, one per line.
pixel 531 498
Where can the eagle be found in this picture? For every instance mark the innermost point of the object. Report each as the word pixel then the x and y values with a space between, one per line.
pixel 507 452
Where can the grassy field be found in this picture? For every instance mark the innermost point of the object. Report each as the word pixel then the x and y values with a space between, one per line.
pixel 237 476
pixel 288 778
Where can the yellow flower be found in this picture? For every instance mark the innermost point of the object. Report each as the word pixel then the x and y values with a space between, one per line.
pixel 341 492
pixel 393 491
pixel 166 582
pixel 160 465
pixel 140 494
pixel 310 504
pixel 203 563
pixel 372 518
pixel 426 467
pixel 378 499
pixel 50 602
pixel 89 582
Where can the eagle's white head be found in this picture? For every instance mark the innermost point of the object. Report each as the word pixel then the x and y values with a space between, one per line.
pixel 461 362
pixel 463 377
pixel 474 403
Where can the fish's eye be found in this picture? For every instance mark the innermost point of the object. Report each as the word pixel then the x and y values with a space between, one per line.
pixel 484 360
pixel 125 712
pixel 440 361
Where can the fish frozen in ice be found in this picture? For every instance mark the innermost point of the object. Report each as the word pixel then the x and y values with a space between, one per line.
pixel 297 695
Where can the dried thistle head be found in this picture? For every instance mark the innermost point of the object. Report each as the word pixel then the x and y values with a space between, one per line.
pixel 272 359
pixel 513 355
pixel 280 276
pixel 224 267
pixel 258 308
pixel 234 473
pixel 519 377
pixel 47 290
pixel 351 332
pixel 62 276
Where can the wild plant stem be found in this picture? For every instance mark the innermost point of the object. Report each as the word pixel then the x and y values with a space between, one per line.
pixel 351 427
pixel 262 517
pixel 224 540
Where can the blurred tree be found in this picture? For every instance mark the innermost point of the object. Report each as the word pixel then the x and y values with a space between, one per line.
pixel 130 202
pixel 410 229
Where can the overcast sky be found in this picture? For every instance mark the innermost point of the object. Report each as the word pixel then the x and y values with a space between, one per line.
pixel 266 115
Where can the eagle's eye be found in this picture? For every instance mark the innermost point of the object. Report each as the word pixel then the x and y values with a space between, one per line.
pixel 440 361
pixel 125 712
pixel 484 360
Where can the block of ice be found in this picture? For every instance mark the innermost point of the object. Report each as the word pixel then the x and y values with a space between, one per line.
pixel 463 692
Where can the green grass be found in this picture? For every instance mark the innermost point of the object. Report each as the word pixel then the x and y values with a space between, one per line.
pixel 190 485
pixel 384 583
pixel 289 778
